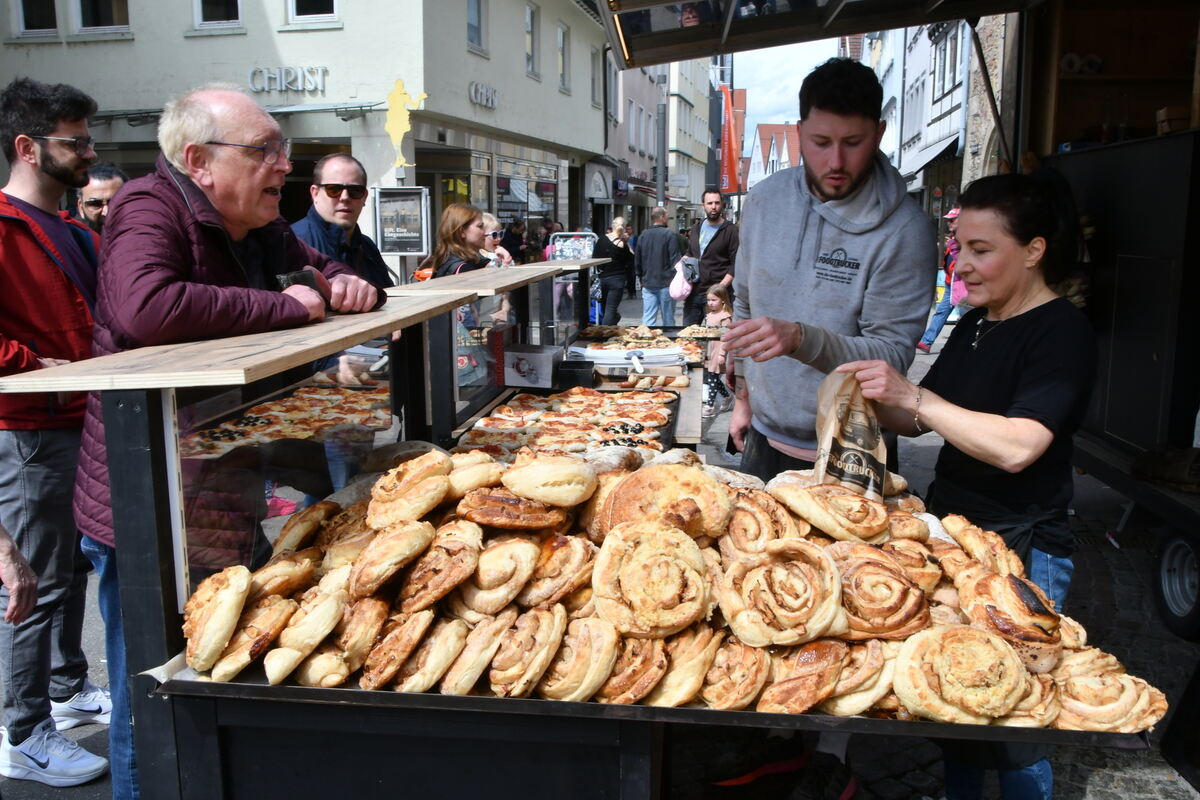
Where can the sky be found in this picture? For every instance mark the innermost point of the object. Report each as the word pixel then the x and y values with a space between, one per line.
pixel 772 77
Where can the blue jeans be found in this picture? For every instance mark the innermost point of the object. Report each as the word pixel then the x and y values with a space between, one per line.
pixel 655 301
pixel 121 762
pixel 940 314
pixel 1052 574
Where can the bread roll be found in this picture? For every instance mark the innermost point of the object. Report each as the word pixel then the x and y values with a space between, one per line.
pixel 386 554
pixel 561 481
pixel 259 626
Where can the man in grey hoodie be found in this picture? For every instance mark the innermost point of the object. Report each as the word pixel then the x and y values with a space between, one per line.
pixel 833 266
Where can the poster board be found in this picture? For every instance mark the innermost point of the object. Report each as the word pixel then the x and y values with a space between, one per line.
pixel 402 220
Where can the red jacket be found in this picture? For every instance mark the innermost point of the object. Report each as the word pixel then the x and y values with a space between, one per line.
pixel 169 273
pixel 42 315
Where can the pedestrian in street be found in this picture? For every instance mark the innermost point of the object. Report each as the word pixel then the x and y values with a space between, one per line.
pixel 104 181
pixel 1007 394
pixel 46 308
pixel 654 262
pixel 514 241
pixel 614 275
pixel 717 398
pixel 945 304
pixel 714 241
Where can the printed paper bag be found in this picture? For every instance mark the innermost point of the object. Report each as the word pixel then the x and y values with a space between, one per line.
pixel 850 447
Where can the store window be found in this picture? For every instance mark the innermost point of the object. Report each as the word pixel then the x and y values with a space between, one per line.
pixel 103 14
pixel 36 16
pixel 214 13
pixel 312 10
pixel 477 25
pixel 562 47
pixel 532 61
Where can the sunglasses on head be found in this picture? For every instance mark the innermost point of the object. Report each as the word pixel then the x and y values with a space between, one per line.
pixel 356 190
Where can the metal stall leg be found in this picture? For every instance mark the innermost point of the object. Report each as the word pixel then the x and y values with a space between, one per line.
pixel 139 479
pixel 408 382
pixel 583 298
pixel 443 378
pixel 520 306
pixel 641 760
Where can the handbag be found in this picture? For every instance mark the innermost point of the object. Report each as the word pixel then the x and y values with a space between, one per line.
pixel 687 275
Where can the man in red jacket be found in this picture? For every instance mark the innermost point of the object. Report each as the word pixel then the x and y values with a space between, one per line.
pixel 49 266
pixel 192 251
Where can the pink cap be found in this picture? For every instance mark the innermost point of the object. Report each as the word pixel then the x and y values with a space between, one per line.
pixel 953 213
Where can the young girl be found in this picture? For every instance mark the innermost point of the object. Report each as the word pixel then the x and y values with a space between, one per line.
pixel 720 314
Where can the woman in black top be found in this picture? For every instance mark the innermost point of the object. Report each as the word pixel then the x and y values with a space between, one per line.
pixel 616 273
pixel 1006 393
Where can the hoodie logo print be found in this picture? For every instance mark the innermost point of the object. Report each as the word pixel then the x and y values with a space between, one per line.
pixel 837 266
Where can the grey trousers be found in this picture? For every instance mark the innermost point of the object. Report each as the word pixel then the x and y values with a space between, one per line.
pixel 42 657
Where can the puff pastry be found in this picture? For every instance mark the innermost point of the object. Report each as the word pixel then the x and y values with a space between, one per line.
pixel 1112 702
pixel 690 654
pixel 349 523
pixel 401 635
pixel 359 628
pixel 562 481
pixel 836 511
pixel 737 676
pixel 806 676
pixel 1016 610
pixel 959 674
pixel 321 607
pixel 678 495
pixel 526 649
pixel 640 665
pixel 259 626
pixel 866 678
pixel 917 562
pixel 324 668
pixel 903 525
pixel 757 518
pixel 564 564
pixel 451 558
pixel 499 508
pixel 986 547
pixel 303 526
pixel 386 554
pixel 505 566
pixel 211 615
pixel 437 652
pixel 477 653
pixel 285 574
pixel 583 662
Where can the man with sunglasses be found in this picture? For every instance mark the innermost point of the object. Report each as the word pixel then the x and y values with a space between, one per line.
pixel 339 194
pixel 192 251
pixel 49 263
pixel 104 181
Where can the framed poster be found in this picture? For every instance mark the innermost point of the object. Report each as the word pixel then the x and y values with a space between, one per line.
pixel 402 220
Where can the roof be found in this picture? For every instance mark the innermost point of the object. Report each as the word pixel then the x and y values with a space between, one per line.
pixel 784 135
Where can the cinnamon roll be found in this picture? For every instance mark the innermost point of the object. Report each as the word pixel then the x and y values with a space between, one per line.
pixel 807 676
pixel 916 561
pixel 451 558
pixel 986 547
pixel 837 511
pixel 564 564
pixel 757 518
pixel 526 649
pixel 505 566
pixel 583 662
pixel 1038 708
pixel 690 653
pixel 1112 702
pixel 959 674
pixel 1087 661
pixel 881 602
pixel 866 678
pixel 640 665
pixel 737 676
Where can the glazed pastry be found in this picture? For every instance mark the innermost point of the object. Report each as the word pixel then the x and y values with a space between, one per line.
pixel 359 628
pixel 211 615
pixel 477 653
pixel 737 676
pixel 640 664
pixel 386 554
pixel 564 564
pixel 321 608
pixel 788 595
pixel 1016 610
pixel 451 558
pixel 757 518
pixel 650 580
pixel 437 652
pixel 866 678
pixel 401 635
pixel 836 511
pixel 1038 708
pixel 986 547
pixel 500 508
pixel 808 675
pixel 505 566
pixel 959 674
pixel 285 574
pixel 679 496
pixel 563 481
pixel 259 626
pixel 583 662
pixel 526 649
pixel 302 527
pixel 1111 702
pixel 690 654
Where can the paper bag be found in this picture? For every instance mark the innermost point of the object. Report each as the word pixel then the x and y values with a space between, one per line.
pixel 850 447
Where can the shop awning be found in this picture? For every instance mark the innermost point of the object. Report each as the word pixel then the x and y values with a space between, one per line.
pixel 344 111
pixel 646 190
pixel 911 165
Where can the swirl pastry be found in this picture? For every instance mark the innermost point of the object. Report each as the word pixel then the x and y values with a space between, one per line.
pixel 1074 636
pixel 905 501
pixel 959 674
pixel 757 518
pixel 324 668
pixel 1038 708
pixel 564 565
pixel 789 595
pixel 562 481
pixel 866 678
pixel 1088 661
pixel 398 480
pixel 836 511
pixel 942 614
pixel 904 525
pixel 349 523
pixel 690 653
pixel 951 558
pixel 650 580
pixel 414 501
pixel 500 508
pixel 583 662
pixel 737 676
pixel 303 526
pixel 386 554
pixel 211 615
pixel 986 547
pixel 342 552
pixel 678 495
pixel 526 649
pixel 640 665
pixel 285 574
pixel 259 626
pixel 1113 702
pixel 437 652
pixel 451 558
pixel 321 608
pixel 580 603
pixel 881 602
pixel 593 518
pixel 477 652
pixel 916 561
pixel 401 635
pixel 505 566
pixel 359 628
pixel 1015 610
pixel 809 675
pixel 477 475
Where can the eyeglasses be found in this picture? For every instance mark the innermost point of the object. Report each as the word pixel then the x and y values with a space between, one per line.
pixel 95 202
pixel 82 143
pixel 495 234
pixel 356 190
pixel 271 149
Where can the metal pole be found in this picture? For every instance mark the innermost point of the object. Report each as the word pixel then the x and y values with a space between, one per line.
pixel 660 174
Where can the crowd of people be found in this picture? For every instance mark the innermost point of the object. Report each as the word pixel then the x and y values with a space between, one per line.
pixel 830 270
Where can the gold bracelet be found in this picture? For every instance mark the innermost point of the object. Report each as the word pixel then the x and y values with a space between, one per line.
pixel 917 413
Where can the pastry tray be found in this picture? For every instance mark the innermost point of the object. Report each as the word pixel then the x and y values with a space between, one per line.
pixel 666 434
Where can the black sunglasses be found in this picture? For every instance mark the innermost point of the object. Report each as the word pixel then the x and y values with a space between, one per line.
pixel 95 202
pixel 495 234
pixel 356 190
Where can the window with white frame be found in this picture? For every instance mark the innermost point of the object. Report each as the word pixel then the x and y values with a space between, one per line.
pixel 630 130
pixel 597 78
pixel 614 87
pixel 643 142
pixel 944 62
pixel 36 16
pixel 648 133
pixel 562 49
pixel 477 25
pixel 312 10
pixel 103 14
pixel 217 13
pixel 531 40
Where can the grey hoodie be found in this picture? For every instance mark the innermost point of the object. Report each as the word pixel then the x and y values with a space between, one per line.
pixel 857 274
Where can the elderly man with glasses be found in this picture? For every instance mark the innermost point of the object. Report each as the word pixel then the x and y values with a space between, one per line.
pixel 339 194
pixel 193 251
pixel 104 181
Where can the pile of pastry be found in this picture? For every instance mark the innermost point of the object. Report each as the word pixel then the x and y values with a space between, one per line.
pixel 666 583
pixel 574 421
pixel 642 337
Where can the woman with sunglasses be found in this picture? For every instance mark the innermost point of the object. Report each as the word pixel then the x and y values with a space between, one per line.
pixel 500 307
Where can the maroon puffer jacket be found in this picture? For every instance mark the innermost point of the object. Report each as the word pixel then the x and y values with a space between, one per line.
pixel 168 273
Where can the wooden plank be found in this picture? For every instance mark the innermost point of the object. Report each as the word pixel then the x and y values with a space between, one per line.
pixel 235 360
pixel 483 282
pixel 688 428
pixel 568 265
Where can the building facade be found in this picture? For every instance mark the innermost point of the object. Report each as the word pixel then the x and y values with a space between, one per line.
pixel 689 138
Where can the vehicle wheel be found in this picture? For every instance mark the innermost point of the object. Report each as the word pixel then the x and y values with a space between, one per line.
pixel 1177 590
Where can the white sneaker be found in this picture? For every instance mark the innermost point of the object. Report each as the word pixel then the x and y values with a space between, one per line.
pixel 50 758
pixel 91 704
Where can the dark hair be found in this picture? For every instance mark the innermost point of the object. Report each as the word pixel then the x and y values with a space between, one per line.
pixel 1038 204
pixel 842 86
pixel 712 190
pixel 106 171
pixel 319 167
pixel 35 109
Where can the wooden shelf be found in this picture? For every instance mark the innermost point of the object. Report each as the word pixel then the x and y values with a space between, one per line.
pixel 483 282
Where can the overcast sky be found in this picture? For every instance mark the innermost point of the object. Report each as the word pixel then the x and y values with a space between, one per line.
pixel 772 78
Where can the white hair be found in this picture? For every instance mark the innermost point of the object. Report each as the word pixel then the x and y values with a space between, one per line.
pixel 188 119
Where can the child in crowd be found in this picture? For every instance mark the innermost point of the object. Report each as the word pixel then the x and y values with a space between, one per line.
pixel 720 314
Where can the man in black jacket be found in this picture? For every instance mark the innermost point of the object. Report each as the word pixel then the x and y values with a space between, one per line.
pixel 713 240
pixel 654 262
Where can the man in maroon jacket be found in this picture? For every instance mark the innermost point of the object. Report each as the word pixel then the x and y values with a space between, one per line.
pixel 49 267
pixel 192 251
